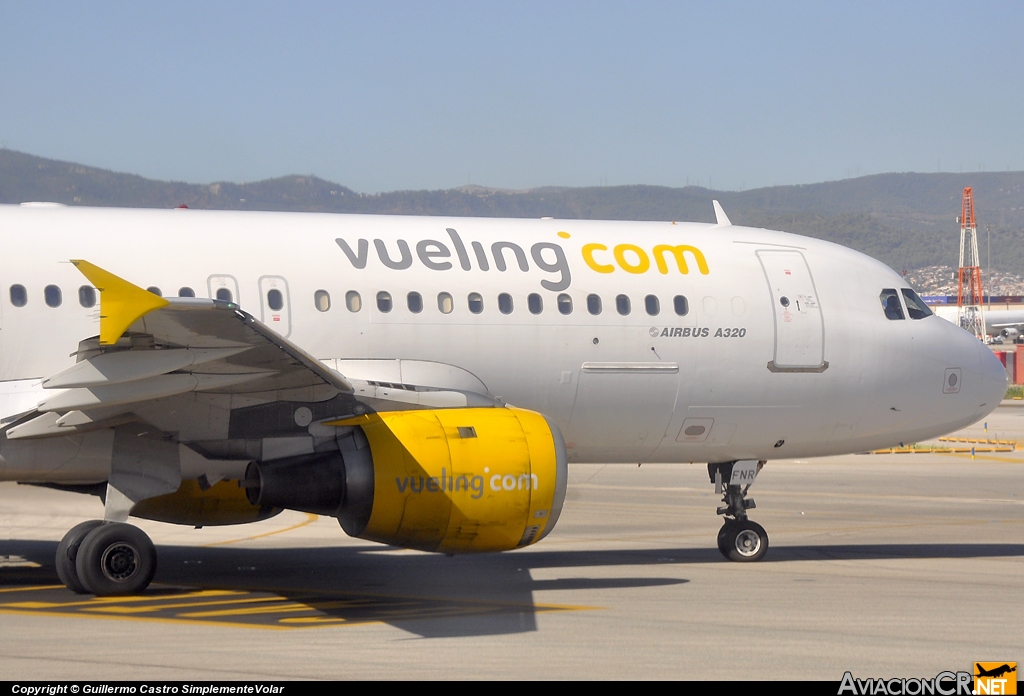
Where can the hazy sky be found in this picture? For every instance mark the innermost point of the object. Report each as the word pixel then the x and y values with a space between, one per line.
pixel 408 95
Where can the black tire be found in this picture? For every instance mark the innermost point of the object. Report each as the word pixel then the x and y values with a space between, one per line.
pixel 67 555
pixel 116 559
pixel 745 541
pixel 723 535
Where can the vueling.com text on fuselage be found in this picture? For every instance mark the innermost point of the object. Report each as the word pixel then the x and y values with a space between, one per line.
pixel 549 257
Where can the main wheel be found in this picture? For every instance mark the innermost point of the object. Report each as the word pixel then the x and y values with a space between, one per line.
pixel 116 558
pixel 67 554
pixel 744 541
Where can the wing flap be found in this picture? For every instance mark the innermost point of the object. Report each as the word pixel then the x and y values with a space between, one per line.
pixel 159 387
pixel 128 366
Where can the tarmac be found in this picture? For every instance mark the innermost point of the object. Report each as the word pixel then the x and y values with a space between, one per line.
pixel 891 565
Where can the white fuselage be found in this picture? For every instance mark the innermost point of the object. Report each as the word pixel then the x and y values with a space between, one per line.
pixel 740 375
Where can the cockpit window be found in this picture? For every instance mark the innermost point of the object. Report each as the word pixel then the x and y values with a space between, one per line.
pixel 916 307
pixel 891 304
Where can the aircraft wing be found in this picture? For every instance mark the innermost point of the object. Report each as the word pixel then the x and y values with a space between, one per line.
pixel 176 389
pixel 154 357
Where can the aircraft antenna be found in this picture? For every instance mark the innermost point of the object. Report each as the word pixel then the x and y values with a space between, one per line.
pixel 970 298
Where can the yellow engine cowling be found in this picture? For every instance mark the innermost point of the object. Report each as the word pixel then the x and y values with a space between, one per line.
pixel 463 480
pixel 220 504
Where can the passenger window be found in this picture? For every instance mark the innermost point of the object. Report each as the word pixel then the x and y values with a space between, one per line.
pixel 476 302
pixel 19 296
pixel 275 300
pixel 505 303
pixel 916 307
pixel 565 303
pixel 652 305
pixel 891 304
pixel 535 303
pixel 681 306
pixel 186 292
pixel 155 290
pixel 594 304
pixel 52 296
pixel 414 301
pixel 384 301
pixel 445 303
pixel 224 294
pixel 322 300
pixel 622 304
pixel 87 296
pixel 353 301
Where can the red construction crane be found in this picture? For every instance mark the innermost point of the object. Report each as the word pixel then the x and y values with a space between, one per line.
pixel 970 299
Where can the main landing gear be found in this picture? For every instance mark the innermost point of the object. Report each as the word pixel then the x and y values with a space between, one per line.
pixel 106 558
pixel 740 538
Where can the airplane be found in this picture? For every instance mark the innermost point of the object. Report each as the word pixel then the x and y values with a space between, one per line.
pixel 427 380
pixel 995 671
pixel 1002 324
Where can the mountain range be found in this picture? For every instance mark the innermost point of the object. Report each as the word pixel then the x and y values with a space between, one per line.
pixel 907 220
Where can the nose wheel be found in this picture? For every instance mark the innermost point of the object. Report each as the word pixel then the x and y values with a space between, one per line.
pixel 740 539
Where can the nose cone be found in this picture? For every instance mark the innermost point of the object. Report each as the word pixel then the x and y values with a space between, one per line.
pixel 992 381
pixel 973 378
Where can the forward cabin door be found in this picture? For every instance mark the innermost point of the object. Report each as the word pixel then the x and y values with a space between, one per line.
pixel 799 327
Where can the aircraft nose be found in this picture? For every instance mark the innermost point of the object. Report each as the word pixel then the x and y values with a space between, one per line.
pixel 992 380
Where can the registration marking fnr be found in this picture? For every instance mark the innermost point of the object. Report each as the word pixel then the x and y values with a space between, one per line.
pixel 256 609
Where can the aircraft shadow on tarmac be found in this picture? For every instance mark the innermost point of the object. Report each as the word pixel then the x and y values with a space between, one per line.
pixel 428 595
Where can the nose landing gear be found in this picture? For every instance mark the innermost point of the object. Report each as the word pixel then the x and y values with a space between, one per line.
pixel 740 539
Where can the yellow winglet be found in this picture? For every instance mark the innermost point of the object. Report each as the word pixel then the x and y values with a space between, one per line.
pixel 121 303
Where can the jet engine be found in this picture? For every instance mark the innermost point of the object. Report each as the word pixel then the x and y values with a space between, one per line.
pixel 1011 334
pixel 449 480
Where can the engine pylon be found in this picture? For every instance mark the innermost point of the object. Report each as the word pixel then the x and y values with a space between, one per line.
pixel 970 298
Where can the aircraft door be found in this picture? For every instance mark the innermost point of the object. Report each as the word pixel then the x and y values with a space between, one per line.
pixel 224 287
pixel 275 304
pixel 799 327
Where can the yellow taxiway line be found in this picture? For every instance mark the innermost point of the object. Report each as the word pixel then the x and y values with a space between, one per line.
pixel 310 519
